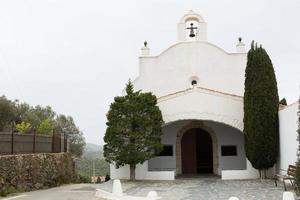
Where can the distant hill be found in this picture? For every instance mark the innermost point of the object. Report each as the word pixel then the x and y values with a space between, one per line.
pixel 90 147
pixel 93 153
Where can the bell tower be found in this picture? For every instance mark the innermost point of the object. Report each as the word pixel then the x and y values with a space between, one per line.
pixel 191 27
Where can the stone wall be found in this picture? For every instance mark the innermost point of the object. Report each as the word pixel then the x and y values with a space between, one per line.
pixel 35 171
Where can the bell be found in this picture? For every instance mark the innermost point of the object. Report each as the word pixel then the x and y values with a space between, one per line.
pixel 192 34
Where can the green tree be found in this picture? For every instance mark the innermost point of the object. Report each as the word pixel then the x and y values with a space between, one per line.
pixel 261 105
pixel 45 127
pixel 133 133
pixel 23 127
pixel 40 114
pixel 6 112
pixel 65 124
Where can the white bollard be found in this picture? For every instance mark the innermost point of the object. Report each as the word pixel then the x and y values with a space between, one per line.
pixel 233 198
pixel 288 196
pixel 117 188
pixel 152 195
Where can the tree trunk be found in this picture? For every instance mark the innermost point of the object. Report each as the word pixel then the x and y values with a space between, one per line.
pixel 265 174
pixel 132 172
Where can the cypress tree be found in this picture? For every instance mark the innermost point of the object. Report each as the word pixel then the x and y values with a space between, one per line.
pixel 261 104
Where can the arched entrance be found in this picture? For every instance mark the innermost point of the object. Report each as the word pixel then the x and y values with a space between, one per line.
pixel 196 152
pixel 198 125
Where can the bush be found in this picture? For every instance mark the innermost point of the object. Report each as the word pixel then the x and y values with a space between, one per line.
pixel 45 128
pixel 23 127
pixel 6 190
pixel 83 179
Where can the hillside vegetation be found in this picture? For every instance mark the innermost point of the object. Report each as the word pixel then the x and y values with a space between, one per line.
pixel 93 154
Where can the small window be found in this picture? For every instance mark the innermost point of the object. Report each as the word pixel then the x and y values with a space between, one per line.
pixel 229 150
pixel 194 82
pixel 167 151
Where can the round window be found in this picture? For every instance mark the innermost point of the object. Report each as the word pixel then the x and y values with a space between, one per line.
pixel 194 82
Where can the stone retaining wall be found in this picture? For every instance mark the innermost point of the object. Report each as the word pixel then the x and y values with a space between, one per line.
pixel 35 171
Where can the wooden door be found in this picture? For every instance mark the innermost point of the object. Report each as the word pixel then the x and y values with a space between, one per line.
pixel 188 152
pixel 204 152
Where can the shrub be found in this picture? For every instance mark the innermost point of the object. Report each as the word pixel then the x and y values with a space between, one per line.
pixel 23 127
pixel 6 190
pixel 45 128
pixel 83 179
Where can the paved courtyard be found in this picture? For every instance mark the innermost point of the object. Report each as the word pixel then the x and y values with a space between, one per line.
pixel 206 188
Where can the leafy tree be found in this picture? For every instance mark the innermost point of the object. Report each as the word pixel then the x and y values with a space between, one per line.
pixel 65 124
pixel 41 119
pixel 6 112
pixel 23 127
pixel 260 110
pixel 40 114
pixel 45 128
pixel 133 133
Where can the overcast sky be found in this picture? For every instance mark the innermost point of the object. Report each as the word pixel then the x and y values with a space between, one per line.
pixel 76 55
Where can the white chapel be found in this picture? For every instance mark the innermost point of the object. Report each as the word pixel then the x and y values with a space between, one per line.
pixel 200 89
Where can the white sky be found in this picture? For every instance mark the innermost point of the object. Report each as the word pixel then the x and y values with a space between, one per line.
pixel 77 55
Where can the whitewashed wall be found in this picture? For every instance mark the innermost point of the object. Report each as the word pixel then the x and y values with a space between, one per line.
pixel 141 173
pixel 172 70
pixel 288 136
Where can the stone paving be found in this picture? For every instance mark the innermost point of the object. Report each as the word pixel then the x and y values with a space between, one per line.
pixel 203 188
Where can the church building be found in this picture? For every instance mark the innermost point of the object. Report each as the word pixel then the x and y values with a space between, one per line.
pixel 200 89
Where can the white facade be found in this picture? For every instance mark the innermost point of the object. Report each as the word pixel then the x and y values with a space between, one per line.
pixel 199 86
pixel 288 136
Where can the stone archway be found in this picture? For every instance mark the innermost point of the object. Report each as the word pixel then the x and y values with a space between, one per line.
pixel 191 125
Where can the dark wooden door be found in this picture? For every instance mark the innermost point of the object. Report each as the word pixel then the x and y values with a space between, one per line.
pixel 188 152
pixel 204 152
pixel 196 152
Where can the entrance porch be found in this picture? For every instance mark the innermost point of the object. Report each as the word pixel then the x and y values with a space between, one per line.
pixel 195 147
